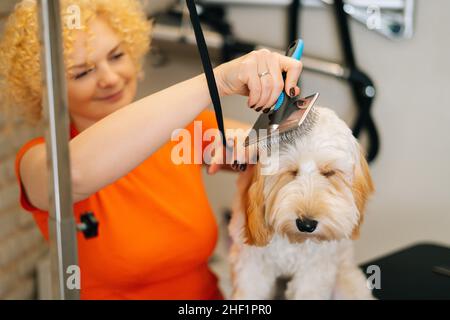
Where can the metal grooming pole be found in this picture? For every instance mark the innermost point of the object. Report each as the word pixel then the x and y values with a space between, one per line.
pixel 62 226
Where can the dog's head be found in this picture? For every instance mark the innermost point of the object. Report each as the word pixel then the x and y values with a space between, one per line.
pixel 319 191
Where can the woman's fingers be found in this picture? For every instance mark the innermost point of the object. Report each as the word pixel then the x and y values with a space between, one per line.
pixel 270 66
pixel 252 80
pixel 278 83
pixel 260 76
pixel 265 78
pixel 293 69
pixel 233 156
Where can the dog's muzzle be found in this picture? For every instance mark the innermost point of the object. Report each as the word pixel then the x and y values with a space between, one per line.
pixel 306 225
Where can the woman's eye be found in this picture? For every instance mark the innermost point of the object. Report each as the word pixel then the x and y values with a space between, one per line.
pixel 82 74
pixel 117 56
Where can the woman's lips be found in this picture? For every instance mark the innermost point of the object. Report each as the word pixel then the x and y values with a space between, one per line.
pixel 114 97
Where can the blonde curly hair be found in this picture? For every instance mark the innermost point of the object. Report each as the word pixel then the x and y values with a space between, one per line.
pixel 20 49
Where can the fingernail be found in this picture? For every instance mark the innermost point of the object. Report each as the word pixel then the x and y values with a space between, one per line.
pixel 267 110
pixel 292 92
pixel 243 167
pixel 251 107
pixel 259 109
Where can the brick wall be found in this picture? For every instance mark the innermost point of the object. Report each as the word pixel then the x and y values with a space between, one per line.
pixel 21 244
pixel 22 247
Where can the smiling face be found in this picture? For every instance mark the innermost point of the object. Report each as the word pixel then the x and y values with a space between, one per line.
pixel 319 192
pixel 101 77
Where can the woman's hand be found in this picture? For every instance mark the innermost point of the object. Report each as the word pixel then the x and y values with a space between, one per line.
pixel 258 75
pixel 234 156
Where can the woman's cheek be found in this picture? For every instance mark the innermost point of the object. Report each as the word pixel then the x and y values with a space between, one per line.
pixel 128 68
pixel 129 74
pixel 80 93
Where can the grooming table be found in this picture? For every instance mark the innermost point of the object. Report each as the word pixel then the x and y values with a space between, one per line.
pixel 421 271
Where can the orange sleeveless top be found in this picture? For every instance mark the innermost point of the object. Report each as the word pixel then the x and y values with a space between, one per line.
pixel 156 231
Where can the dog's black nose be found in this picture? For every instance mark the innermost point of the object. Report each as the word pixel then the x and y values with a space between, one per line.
pixel 306 225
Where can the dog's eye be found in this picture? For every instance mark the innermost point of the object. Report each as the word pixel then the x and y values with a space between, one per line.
pixel 328 173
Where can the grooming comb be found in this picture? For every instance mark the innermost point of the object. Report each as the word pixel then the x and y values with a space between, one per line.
pixel 289 119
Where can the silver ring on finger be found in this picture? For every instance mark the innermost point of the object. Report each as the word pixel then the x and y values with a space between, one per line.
pixel 262 74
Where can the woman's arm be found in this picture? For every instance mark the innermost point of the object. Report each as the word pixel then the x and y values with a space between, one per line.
pixel 124 139
pixel 115 145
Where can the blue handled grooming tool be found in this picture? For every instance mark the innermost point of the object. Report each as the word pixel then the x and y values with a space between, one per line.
pixel 289 119
pixel 295 51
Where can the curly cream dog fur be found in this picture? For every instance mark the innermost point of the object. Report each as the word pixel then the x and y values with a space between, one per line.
pixel 299 222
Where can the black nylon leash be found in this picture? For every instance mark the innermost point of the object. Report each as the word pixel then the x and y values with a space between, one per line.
pixel 207 68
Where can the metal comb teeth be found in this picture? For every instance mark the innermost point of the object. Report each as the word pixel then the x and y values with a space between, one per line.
pixel 291 135
pixel 298 118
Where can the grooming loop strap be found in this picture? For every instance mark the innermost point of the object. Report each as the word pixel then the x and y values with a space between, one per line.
pixel 207 68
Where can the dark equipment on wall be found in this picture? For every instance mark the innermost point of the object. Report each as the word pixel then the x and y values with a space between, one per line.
pixel 363 89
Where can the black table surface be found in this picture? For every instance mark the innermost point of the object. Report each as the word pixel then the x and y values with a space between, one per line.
pixel 409 273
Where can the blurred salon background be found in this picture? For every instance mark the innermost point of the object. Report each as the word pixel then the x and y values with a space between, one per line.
pixel 401 48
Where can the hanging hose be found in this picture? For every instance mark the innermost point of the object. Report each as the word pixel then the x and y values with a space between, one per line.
pixel 362 86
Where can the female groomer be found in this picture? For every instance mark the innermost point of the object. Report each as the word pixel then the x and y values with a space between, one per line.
pixel 156 227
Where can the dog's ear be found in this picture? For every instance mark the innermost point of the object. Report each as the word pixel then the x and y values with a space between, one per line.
pixel 256 230
pixel 362 188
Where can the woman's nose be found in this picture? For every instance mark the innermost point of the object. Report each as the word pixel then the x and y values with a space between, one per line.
pixel 108 77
